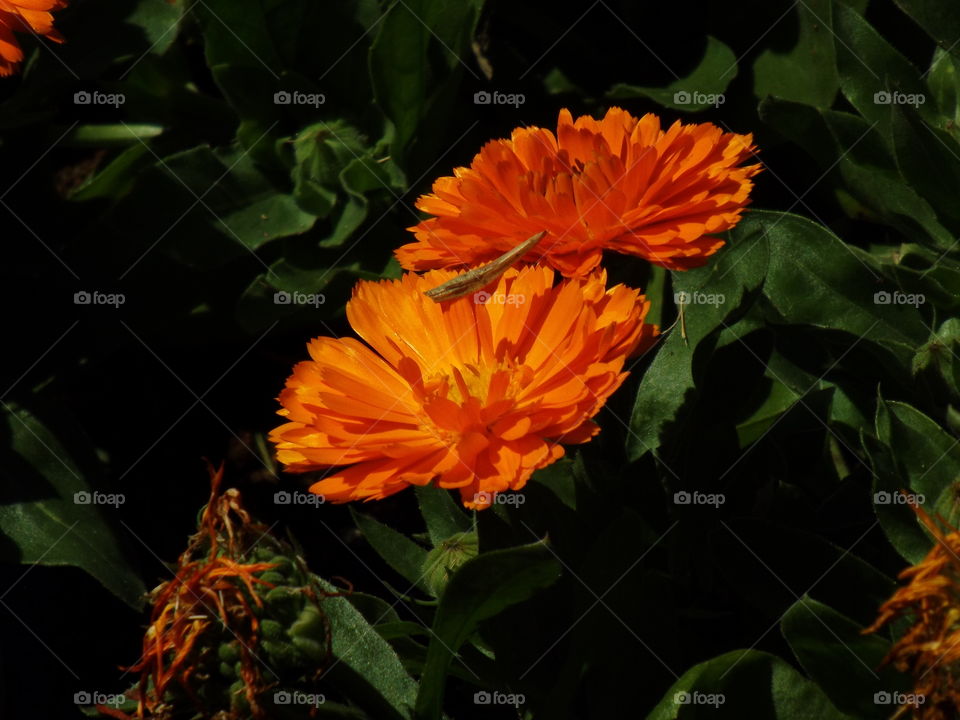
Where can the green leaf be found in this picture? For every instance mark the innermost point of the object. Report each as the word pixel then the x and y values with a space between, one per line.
pixel 918 269
pixel 236 32
pixel 42 512
pixel 816 279
pixel 938 17
pixel 482 588
pixel 924 459
pixel 872 71
pixel 851 146
pixel 415 59
pixel 444 515
pixel 701 89
pixel 929 159
pixel 116 179
pixel 118 135
pixel 217 206
pixel 841 660
pixel 744 684
pixel 943 79
pixel 807 72
pixel 160 20
pixel 715 293
pixel 366 667
pixel 779 399
pixel 400 552
pixel 940 354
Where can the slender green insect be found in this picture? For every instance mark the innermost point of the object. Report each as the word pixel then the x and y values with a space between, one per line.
pixel 483 275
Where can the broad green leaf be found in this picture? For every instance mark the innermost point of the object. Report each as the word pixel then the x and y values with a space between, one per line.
pixel 873 75
pixel 701 89
pixel 814 278
pixel 744 684
pixel 481 589
pixel 807 72
pixel 374 609
pixel 444 515
pixel 217 206
pixel 42 509
pixel 366 667
pixel 415 58
pixel 841 660
pixel 918 269
pixel 236 32
pixel 852 147
pixel 923 459
pixel 938 17
pixel 929 160
pixel 714 294
pixel 400 552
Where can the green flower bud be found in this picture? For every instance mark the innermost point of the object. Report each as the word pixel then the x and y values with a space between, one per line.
pixel 445 558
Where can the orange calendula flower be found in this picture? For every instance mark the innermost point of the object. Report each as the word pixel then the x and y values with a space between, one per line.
pixel 618 184
pixel 475 393
pixel 930 648
pixel 28 16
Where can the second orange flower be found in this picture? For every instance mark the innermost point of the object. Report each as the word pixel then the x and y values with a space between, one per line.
pixel 621 184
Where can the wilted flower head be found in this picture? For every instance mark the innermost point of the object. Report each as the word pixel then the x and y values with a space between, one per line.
pixel 474 394
pixel 621 184
pixel 26 16
pixel 240 620
pixel 930 648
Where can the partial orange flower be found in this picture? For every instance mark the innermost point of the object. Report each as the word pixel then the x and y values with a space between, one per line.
pixel 26 16
pixel 618 184
pixel 930 648
pixel 473 394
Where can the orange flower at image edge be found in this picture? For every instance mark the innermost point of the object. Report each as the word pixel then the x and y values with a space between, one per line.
pixel 26 16
pixel 929 649
pixel 621 184
pixel 473 395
